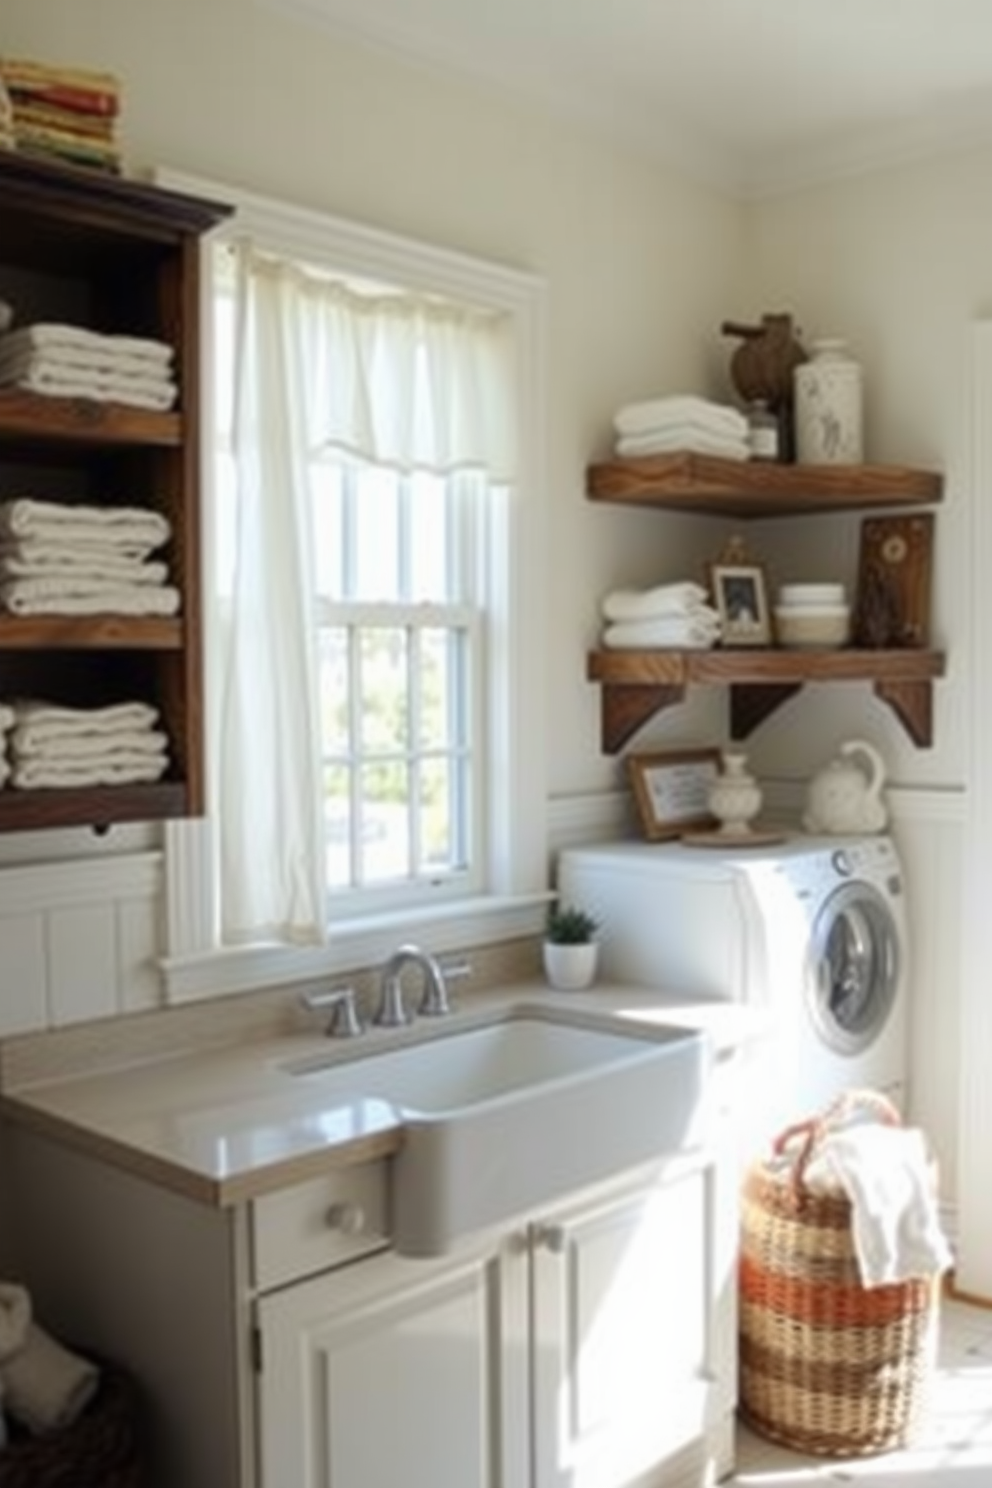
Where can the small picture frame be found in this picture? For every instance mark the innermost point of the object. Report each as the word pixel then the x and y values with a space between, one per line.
pixel 671 790
pixel 741 600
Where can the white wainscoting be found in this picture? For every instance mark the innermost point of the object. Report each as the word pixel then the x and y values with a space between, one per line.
pixel 79 940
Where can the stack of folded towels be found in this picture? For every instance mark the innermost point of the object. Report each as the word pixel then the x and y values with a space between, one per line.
pixel 667 616
pixel 83 560
pixel 61 748
pixel 43 1385
pixel 68 361
pixel 665 426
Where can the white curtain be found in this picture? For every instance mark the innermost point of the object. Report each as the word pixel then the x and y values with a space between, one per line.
pixel 412 382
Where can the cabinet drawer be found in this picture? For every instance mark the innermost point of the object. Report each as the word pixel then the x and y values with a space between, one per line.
pixel 319 1224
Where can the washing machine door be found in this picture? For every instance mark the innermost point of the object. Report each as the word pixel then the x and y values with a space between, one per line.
pixel 854 968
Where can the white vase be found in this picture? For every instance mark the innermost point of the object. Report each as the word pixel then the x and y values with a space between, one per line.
pixel 735 796
pixel 828 407
pixel 570 968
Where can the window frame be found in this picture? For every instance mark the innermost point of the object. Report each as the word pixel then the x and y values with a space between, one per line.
pixel 512 546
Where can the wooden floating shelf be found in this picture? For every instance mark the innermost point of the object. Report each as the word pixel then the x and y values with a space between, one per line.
pixel 27 417
pixel 95 806
pixel 90 633
pixel 638 684
pixel 755 488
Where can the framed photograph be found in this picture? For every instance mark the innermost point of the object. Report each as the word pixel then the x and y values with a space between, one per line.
pixel 671 790
pixel 892 607
pixel 741 600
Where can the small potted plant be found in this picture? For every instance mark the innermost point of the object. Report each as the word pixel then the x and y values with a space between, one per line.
pixel 570 948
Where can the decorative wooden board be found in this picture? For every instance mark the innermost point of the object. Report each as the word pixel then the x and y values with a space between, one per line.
pixel 893 599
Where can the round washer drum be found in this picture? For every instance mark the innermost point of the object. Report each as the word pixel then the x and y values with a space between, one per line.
pixel 854 968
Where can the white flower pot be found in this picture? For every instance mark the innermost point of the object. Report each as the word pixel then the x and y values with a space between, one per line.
pixel 570 968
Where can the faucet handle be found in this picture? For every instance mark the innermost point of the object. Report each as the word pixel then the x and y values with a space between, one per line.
pixel 434 1002
pixel 345 1022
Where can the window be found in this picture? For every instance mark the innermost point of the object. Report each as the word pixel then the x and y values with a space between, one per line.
pixel 421 621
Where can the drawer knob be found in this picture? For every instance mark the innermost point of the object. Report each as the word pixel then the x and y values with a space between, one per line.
pixel 347 1217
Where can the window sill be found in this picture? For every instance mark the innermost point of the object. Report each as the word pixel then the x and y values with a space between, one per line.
pixel 355 945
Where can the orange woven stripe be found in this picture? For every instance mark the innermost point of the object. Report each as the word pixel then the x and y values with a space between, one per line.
pixel 827 1303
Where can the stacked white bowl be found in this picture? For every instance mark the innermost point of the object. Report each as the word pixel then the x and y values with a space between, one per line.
pixel 815 616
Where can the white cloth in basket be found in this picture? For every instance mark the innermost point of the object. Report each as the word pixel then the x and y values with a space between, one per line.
pixel 885 1174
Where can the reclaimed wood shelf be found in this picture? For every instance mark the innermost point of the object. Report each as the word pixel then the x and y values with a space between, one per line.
pixel 28 417
pixel 90 633
pixel 97 806
pixel 744 489
pixel 638 684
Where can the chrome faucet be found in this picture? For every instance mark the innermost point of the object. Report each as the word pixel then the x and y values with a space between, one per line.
pixel 392 1012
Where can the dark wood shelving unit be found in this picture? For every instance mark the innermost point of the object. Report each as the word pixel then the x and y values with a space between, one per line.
pixel 637 684
pixel 123 258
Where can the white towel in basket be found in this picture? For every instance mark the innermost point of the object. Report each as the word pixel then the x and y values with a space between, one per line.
pixel 885 1174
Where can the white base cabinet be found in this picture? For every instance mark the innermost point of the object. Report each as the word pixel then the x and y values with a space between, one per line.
pixel 587 1349
pixel 284 1345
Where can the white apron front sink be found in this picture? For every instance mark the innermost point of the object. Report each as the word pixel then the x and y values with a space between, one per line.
pixel 501 1119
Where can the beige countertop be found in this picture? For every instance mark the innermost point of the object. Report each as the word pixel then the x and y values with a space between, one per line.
pixel 229 1123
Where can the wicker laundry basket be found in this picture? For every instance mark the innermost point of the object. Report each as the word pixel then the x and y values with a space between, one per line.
pixel 102 1448
pixel 827 1366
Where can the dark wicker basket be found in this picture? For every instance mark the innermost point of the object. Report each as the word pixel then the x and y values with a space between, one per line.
pixel 101 1449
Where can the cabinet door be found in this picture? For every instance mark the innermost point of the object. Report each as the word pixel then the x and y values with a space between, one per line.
pixel 390 1372
pixel 633 1327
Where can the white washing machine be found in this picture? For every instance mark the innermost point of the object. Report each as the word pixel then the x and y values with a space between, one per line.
pixel 812 932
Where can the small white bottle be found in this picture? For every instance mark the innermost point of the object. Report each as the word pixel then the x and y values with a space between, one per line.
pixel 762 431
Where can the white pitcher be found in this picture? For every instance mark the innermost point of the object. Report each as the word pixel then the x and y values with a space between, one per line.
pixel 843 799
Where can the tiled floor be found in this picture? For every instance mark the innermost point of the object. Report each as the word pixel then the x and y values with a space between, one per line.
pixel 955 1447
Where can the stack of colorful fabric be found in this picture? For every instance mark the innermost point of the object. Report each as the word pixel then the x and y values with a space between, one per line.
pixel 65 113
pixel 7 141
pixel 55 747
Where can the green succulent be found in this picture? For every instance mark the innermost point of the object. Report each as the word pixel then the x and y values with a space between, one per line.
pixel 567 925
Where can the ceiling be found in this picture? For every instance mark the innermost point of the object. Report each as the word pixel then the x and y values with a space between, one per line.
pixel 752 95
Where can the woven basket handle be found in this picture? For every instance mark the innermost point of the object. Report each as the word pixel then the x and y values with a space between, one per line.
pixel 839 1114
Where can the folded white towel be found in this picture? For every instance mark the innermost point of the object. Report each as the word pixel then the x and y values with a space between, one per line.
pixel 48 560
pixel 56 775
pixel 894 1217
pixel 46 1386
pixel 7 718
pixel 15 1318
pixel 683 440
pixel 54 334
pixel 56 522
pixel 101 357
pixel 52 596
pixel 53 721
pixel 27 742
pixel 662 413
pixel 80 384
pixel 649 604
pixel 682 633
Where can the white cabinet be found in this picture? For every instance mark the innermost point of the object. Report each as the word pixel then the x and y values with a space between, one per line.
pixel 283 1344
pixel 634 1329
pixel 397 1371
pixel 593 1345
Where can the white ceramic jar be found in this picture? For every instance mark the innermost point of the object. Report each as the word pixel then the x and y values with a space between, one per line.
pixel 735 796
pixel 828 407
